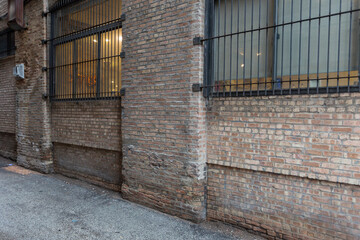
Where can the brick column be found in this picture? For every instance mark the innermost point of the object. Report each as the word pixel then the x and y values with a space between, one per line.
pixel 32 112
pixel 163 123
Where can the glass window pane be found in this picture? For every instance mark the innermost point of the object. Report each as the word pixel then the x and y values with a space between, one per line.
pixel 242 58
pixel 63 70
pixel 86 14
pixel 110 63
pixel 86 76
pixel 298 54
pixel 317 49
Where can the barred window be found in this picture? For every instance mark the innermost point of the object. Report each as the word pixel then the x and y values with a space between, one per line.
pixel 7 43
pixel 270 47
pixel 85 50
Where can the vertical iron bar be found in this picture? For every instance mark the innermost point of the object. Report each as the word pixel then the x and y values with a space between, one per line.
pixel 230 54
pixel 291 38
pixel 244 50
pixel 108 46
pixel 308 57
pixel 275 58
pixel 266 45
pixel 81 90
pixel 224 63
pixel 282 46
pixel 328 51
pixel 251 42
pixel 258 54
pixel 318 56
pixel 300 37
pixel 339 45
pixel 212 47
pixel 98 66
pixel 60 69
pixel 111 61
pixel 209 49
pixel 74 68
pixel 52 59
pixel 63 57
pixel 237 48
pixel 350 42
pixel 217 82
pixel 89 50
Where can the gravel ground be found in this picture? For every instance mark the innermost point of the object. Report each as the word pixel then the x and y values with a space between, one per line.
pixel 36 206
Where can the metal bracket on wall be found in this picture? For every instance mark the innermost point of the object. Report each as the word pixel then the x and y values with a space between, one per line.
pixel 122 55
pixel 44 14
pixel 44 69
pixel 45 96
pixel 123 17
pixel 197 87
pixel 122 91
pixel 197 41
pixel 43 41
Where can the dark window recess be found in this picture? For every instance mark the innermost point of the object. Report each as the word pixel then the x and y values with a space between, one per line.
pixel 7 43
pixel 85 47
pixel 278 47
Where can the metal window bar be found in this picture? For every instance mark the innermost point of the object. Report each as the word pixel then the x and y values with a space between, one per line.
pixel 85 44
pixel 277 47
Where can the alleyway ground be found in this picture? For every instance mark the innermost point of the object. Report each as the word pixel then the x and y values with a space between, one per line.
pixel 34 206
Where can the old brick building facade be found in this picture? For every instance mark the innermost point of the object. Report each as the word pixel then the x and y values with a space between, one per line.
pixel 286 167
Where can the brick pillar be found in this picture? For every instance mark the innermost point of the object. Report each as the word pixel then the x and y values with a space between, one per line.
pixel 163 123
pixel 32 112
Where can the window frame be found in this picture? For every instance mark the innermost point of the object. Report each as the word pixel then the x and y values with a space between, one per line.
pixel 98 30
pixel 209 82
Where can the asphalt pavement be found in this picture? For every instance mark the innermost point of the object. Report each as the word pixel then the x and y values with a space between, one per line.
pixel 35 206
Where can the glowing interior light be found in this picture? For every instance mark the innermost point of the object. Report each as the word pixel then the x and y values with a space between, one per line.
pixel 242 65
pixel 120 38
pixel 95 40
pixel 258 54
pixel 107 40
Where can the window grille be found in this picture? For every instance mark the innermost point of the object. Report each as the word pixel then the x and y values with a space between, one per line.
pixel 7 43
pixel 85 47
pixel 278 47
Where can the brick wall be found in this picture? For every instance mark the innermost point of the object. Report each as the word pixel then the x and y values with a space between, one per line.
pixel 7 95
pixel 7 108
pixel 286 156
pixel 163 123
pixel 87 141
pixel 284 166
pixel 282 206
pixel 7 98
pixel 32 112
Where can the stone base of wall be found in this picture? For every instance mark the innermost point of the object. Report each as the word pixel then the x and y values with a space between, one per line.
pixel 35 163
pixel 8 145
pixel 283 207
pixel 97 166
pixel 159 181
pixel 162 202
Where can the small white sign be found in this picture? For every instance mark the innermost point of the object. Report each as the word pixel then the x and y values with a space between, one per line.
pixel 18 71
